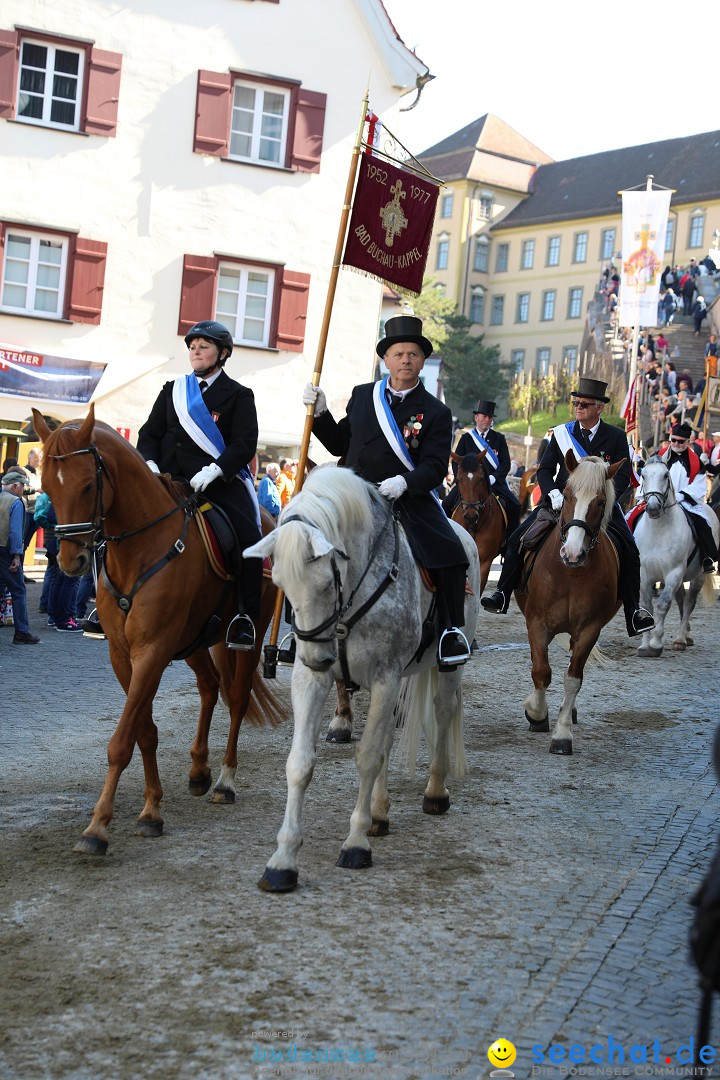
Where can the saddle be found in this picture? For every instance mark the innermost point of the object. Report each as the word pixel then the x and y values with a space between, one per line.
pixel 536 535
pixel 220 541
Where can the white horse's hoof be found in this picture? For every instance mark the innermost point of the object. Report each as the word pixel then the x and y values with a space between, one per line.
pixel 355 858
pixel 278 880
pixel 679 646
pixel 689 641
pixel 648 650
pixel 561 746
pixel 538 725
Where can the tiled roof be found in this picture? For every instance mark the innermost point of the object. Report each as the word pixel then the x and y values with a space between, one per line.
pixel 455 157
pixel 588 186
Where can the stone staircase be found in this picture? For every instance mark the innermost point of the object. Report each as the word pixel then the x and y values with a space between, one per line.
pixel 686 351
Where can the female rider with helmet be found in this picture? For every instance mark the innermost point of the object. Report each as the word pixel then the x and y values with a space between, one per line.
pixel 203 429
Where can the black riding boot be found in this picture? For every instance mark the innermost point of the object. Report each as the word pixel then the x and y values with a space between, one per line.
pixel 637 620
pixel 241 631
pixel 499 601
pixel 705 541
pixel 453 646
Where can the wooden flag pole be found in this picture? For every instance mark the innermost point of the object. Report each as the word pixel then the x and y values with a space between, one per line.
pixel 271 649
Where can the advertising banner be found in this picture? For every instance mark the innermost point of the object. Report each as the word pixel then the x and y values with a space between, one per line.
pixel 30 374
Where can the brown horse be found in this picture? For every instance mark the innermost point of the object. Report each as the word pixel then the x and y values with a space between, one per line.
pixel 478 510
pixel 158 598
pixel 572 588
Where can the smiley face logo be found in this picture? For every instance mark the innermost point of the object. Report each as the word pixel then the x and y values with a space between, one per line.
pixel 502 1053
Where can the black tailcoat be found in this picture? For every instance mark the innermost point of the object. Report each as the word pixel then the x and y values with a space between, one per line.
pixel 163 439
pixel 359 440
pixel 608 443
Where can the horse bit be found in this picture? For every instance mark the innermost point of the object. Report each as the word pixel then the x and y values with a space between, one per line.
pixel 594 534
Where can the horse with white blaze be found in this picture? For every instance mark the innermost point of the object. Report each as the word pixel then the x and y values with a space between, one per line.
pixel 361 613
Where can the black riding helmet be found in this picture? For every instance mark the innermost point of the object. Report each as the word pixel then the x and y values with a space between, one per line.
pixel 213 331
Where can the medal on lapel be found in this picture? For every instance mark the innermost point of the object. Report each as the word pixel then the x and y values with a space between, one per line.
pixel 412 430
pixel 215 416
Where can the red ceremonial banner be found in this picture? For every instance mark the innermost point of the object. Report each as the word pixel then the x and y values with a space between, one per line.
pixel 391 224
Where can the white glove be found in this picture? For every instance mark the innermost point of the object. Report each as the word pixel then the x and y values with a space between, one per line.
pixel 152 467
pixel 491 479
pixel 556 499
pixel 393 487
pixel 313 395
pixel 705 459
pixel 205 477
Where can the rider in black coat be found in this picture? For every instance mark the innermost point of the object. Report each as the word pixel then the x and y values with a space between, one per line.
pixel 609 443
pixel 466 444
pixel 425 425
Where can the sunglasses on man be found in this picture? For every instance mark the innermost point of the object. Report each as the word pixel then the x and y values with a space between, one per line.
pixel 584 404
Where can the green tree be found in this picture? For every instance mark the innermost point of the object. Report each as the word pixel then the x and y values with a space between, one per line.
pixel 433 307
pixel 470 369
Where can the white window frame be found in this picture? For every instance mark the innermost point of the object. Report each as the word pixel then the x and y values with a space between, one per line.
pixel 548 305
pixel 695 235
pixel 517 359
pixel 477 300
pixel 572 314
pixel 608 241
pixel 528 255
pixel 497 307
pixel 553 249
pixel 522 310
pixel 482 255
pixel 256 135
pixel 235 320
pixel 502 258
pixel 443 252
pixel 580 247
pixel 485 206
pixel 670 234
pixel 446 207
pixel 47 95
pixel 570 359
pixel 34 263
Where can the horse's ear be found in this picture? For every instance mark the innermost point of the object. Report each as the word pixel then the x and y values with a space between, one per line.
pixel 319 544
pixel 263 549
pixel 614 468
pixel 86 428
pixel 456 458
pixel 571 461
pixel 39 424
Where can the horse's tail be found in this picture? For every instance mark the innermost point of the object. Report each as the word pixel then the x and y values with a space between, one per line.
pixel 596 657
pixel 415 712
pixel 264 706
pixel 708 591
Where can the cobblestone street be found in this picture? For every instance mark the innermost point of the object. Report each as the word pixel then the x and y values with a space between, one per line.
pixel 550 906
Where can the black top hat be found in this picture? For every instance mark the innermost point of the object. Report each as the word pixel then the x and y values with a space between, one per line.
pixel 591 388
pixel 404 328
pixel 486 407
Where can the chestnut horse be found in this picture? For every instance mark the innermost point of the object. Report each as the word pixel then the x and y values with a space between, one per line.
pixel 478 510
pixel 157 596
pixel 572 588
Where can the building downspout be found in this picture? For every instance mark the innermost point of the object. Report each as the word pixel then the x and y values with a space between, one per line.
pixel 469 245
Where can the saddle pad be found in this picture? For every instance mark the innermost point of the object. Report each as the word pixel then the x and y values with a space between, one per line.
pixel 540 529
pixel 634 516
pixel 428 582
pixel 216 551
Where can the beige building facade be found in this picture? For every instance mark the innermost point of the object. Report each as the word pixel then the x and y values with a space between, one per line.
pixel 520 242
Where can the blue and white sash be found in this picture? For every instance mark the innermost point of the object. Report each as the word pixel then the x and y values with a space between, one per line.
pixel 566 440
pixel 490 455
pixel 389 427
pixel 197 421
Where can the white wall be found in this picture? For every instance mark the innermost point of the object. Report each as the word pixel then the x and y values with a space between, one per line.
pixel 152 199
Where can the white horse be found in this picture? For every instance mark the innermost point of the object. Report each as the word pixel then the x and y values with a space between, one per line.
pixel 668 554
pixel 359 608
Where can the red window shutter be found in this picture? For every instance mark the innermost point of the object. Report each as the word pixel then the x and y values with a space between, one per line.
pixel 294 289
pixel 9 60
pixel 86 279
pixel 308 133
pixel 197 293
pixel 212 113
pixel 103 92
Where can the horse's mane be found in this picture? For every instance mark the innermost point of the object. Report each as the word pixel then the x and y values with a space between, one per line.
pixel 471 461
pixel 337 502
pixel 587 482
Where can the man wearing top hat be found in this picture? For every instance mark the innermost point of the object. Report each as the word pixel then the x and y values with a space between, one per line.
pixel 497 462
pixel 397 435
pixel 587 435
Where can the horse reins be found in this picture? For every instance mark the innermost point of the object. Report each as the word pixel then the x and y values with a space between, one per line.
pixel 341 607
pixel 594 534
pixel 100 538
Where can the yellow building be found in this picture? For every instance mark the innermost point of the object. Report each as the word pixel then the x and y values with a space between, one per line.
pixel 520 241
